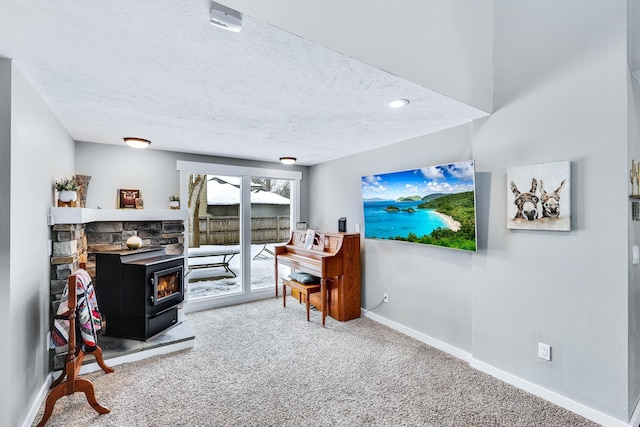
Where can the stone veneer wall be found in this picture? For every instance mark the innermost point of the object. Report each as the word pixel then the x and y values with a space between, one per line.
pixel 69 249
pixel 75 243
pixel 112 236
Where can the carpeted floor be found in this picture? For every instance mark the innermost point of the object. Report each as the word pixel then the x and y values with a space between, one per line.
pixel 260 364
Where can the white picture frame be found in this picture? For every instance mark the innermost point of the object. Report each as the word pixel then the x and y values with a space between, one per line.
pixel 539 197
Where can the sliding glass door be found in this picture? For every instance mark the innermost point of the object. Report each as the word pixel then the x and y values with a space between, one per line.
pixel 214 251
pixel 270 226
pixel 237 215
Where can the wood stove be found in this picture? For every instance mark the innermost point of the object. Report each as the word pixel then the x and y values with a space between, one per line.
pixel 139 291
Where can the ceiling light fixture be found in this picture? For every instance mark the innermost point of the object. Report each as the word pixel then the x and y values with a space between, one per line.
pixel 397 103
pixel 224 17
pixel 136 142
pixel 287 160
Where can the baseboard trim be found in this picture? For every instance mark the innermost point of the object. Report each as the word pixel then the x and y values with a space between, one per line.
pixel 551 396
pixel 635 417
pixel 35 407
pixel 555 398
pixel 447 348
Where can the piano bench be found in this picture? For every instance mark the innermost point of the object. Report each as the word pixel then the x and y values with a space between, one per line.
pixel 305 289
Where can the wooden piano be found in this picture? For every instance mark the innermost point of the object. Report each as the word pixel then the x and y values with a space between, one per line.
pixel 335 258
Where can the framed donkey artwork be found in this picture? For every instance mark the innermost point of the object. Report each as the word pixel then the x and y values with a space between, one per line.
pixel 539 197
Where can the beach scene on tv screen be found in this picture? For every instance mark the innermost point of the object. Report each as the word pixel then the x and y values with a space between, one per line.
pixel 434 205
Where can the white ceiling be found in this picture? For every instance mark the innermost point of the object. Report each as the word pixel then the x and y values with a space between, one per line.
pixel 159 70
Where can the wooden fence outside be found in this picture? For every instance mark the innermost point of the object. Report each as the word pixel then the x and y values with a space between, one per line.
pixel 225 230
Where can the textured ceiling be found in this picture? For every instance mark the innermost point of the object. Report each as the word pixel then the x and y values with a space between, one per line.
pixel 159 70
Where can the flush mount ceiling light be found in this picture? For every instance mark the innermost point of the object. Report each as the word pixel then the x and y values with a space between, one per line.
pixel 397 103
pixel 136 142
pixel 287 160
pixel 225 17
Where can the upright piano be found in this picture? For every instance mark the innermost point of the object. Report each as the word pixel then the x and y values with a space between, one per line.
pixel 335 258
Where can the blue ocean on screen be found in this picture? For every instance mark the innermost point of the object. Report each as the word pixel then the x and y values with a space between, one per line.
pixel 382 224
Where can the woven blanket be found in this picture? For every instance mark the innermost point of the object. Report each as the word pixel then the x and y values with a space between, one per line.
pixel 88 318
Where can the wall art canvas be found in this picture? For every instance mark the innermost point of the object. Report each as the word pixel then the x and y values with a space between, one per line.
pixel 433 205
pixel 127 198
pixel 539 197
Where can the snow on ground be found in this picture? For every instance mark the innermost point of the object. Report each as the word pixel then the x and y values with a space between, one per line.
pixel 205 282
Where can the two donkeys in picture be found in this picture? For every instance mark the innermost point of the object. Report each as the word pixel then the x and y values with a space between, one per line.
pixel 539 197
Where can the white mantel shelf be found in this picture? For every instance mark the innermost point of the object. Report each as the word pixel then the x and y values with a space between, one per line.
pixel 86 215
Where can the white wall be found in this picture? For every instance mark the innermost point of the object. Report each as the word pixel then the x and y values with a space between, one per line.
pixel 634 239
pixel 5 231
pixel 560 87
pixel 560 90
pixel 41 152
pixel 152 171
pixel 429 287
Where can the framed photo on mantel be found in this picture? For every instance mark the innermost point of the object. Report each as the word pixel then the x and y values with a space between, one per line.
pixel 127 198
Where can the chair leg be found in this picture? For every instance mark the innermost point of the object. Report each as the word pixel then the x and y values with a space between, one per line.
pixel 323 297
pixel 284 295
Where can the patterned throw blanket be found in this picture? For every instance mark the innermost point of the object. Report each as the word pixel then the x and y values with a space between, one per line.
pixel 88 319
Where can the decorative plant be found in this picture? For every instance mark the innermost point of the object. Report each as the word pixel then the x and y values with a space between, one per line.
pixel 174 198
pixel 66 184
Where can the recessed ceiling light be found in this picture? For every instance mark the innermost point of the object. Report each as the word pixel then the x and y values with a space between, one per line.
pixel 136 142
pixel 397 103
pixel 287 160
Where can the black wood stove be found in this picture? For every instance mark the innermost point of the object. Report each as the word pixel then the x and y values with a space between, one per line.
pixel 139 291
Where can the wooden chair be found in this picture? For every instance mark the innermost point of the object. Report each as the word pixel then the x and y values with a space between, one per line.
pixel 302 289
pixel 322 300
pixel 73 362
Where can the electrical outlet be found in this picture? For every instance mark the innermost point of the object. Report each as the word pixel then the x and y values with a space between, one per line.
pixel 544 351
pixel 386 297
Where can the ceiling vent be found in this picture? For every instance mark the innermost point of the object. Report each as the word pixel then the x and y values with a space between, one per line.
pixel 225 17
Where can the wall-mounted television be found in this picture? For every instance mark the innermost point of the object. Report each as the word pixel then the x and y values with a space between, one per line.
pixel 434 205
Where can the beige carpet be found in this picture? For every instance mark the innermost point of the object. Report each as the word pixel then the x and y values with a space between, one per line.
pixel 260 364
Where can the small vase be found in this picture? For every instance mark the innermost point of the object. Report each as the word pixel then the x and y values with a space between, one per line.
pixel 68 196
pixel 174 204
pixel 134 242
pixel 83 182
